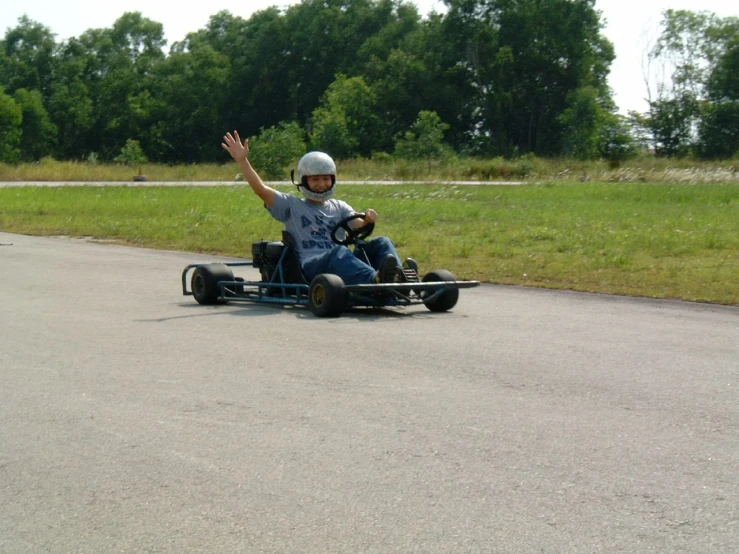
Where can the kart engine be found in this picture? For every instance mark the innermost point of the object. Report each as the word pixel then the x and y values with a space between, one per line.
pixel 265 256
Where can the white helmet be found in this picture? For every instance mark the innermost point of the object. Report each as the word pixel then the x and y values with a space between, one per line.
pixel 316 163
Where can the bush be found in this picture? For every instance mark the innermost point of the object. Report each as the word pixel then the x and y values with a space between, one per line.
pixel 131 154
pixel 616 144
pixel 424 140
pixel 719 131
pixel 276 148
pixel 11 118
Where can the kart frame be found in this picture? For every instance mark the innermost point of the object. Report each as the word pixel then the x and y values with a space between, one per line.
pixel 326 295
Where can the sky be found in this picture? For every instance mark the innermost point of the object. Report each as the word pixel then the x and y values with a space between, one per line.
pixel 631 25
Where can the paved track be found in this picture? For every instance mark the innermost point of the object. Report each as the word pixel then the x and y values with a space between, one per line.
pixel 135 420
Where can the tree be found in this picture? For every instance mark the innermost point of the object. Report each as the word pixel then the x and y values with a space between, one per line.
pixel 690 44
pixel 71 112
pixel 259 89
pixel 27 59
pixel 718 133
pixel 72 97
pixel 345 124
pixel 324 38
pixel 581 123
pixel 595 131
pixel 690 48
pixel 189 92
pixel 504 77
pixel 525 58
pixel 117 72
pixel 639 127
pixel 399 83
pixel 718 130
pixel 38 133
pixel 11 118
pixel 671 121
pixel 723 82
pixel 447 88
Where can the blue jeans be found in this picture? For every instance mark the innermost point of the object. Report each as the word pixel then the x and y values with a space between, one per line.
pixel 354 268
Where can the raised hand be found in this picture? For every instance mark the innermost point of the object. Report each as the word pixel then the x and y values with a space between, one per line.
pixel 233 145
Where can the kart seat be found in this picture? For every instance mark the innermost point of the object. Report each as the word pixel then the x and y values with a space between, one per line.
pixel 291 262
pixel 278 260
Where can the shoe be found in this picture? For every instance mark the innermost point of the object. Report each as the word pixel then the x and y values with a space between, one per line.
pixel 389 272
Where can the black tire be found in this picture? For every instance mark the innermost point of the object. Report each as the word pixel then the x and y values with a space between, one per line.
pixel 447 299
pixel 327 297
pixel 205 279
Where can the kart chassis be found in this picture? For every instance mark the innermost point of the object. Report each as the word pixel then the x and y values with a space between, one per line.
pixel 282 282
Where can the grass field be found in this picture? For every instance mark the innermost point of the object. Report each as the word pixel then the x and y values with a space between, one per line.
pixel 661 240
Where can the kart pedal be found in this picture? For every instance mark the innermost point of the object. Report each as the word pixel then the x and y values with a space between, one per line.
pixel 410 271
pixel 410 275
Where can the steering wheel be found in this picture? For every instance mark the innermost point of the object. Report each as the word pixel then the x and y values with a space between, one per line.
pixel 352 234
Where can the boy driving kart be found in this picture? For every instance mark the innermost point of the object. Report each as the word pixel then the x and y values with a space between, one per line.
pixel 311 221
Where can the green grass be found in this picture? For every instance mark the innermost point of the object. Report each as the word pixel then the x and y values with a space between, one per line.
pixel 643 239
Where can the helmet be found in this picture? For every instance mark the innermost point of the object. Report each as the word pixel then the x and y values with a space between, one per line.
pixel 316 163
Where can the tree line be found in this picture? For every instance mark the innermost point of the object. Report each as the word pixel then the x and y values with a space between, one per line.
pixel 365 78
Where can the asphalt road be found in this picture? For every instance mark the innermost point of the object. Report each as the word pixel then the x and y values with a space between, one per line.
pixel 135 420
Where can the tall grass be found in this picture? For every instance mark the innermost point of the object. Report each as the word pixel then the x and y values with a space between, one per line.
pixel 531 168
pixel 671 240
pixel 52 170
pixel 524 168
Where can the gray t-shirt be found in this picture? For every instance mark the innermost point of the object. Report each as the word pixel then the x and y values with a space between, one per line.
pixel 309 224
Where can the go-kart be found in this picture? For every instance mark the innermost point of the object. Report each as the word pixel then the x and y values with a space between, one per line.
pixel 283 282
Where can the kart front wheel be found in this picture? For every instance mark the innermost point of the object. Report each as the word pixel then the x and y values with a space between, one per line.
pixel 440 300
pixel 205 281
pixel 327 295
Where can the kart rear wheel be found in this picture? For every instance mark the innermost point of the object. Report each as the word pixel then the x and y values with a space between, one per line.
pixel 444 301
pixel 205 279
pixel 327 297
